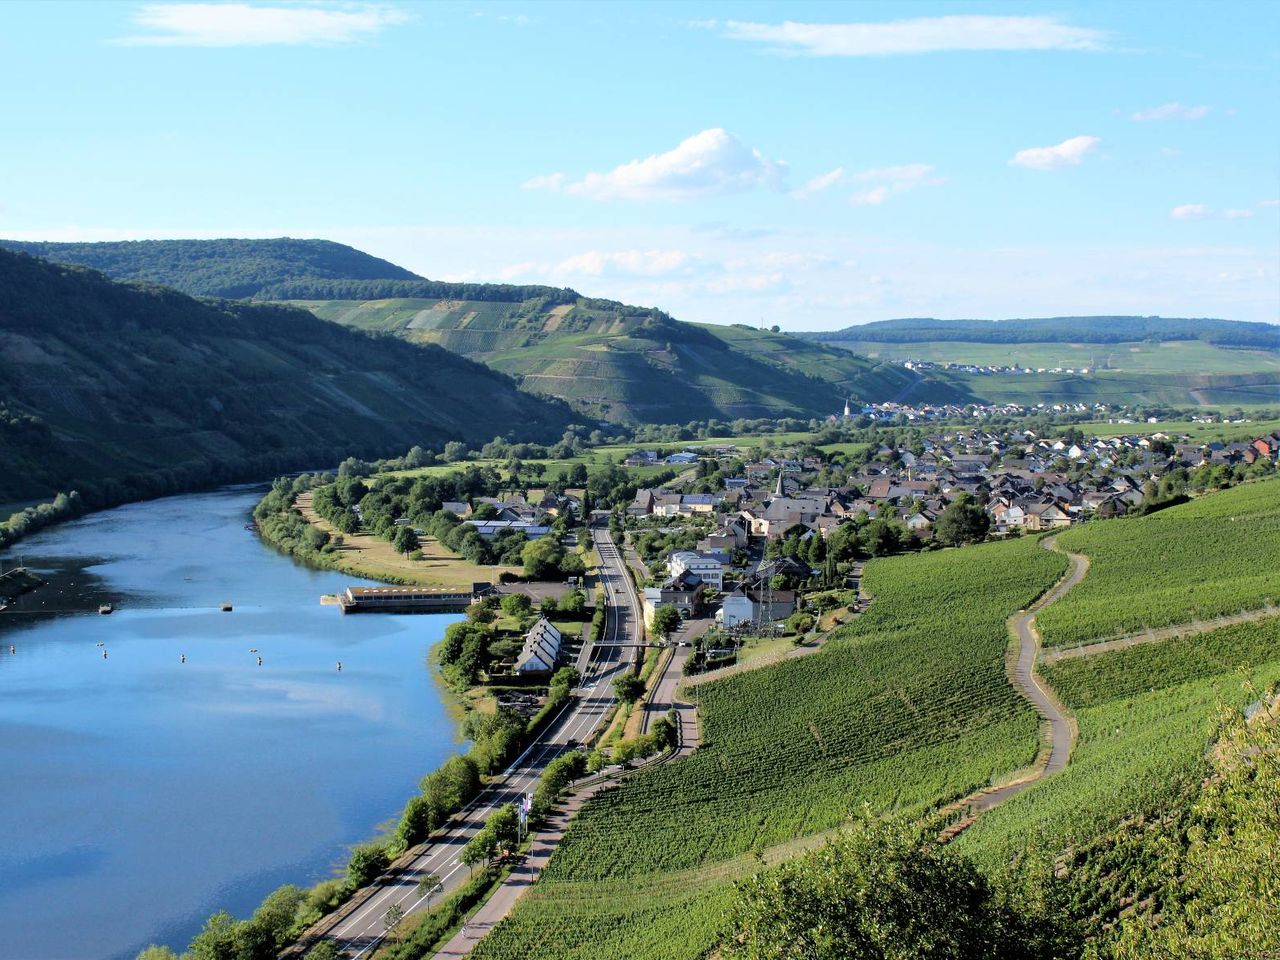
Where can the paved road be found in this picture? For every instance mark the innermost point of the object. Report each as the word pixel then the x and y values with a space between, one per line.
pixel 359 927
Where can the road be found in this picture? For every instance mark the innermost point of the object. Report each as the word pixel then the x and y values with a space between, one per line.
pixel 358 928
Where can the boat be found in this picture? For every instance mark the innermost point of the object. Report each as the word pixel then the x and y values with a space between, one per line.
pixel 105 608
pixel 226 608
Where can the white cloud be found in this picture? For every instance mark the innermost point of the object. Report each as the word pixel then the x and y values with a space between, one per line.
pixel 1237 214
pixel 259 24
pixel 1170 151
pixel 819 183
pixel 871 198
pixel 916 35
pixel 893 181
pixel 1068 153
pixel 630 263
pixel 711 163
pixel 1189 211
pixel 1170 111
pixel 1270 203
pixel 548 181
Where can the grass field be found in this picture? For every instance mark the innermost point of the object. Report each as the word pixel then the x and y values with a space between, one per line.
pixel 1211 557
pixel 906 708
pixel 1178 356
pixel 364 555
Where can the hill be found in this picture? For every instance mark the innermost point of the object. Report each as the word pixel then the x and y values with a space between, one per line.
pixel 218 268
pixel 909 706
pixel 621 362
pixel 122 391
pixel 1119 329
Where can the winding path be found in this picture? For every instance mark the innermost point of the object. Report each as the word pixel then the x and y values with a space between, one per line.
pixel 1060 733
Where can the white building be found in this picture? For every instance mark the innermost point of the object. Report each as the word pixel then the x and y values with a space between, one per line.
pixel 541 648
pixel 708 567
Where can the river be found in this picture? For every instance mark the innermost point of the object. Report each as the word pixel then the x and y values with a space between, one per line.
pixel 138 793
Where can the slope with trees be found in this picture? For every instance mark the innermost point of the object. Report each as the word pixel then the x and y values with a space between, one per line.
pixel 122 392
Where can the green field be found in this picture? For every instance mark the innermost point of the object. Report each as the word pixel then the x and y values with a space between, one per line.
pixel 1146 716
pixel 1198 432
pixel 907 708
pixel 1171 356
pixel 1211 557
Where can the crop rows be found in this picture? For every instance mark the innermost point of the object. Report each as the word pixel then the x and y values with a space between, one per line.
pixel 1146 716
pixel 907 708
pixel 1211 557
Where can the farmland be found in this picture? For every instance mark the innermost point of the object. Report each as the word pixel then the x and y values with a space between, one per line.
pixel 906 708
pixel 1207 558
pixel 1145 715
pixel 1171 356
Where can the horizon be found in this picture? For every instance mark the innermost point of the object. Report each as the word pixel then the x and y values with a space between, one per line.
pixel 813 166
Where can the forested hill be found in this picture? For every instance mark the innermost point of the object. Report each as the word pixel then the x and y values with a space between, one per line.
pixel 123 391
pixel 1118 329
pixel 219 268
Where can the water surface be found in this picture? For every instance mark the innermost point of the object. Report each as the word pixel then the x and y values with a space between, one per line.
pixel 138 794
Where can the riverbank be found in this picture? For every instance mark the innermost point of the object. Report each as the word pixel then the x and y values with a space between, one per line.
pixel 364 555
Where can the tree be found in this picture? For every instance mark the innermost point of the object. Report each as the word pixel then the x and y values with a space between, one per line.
pixel 881 890
pixel 324 950
pixel 666 620
pixel 367 864
pixel 542 558
pixel 428 886
pixel 154 952
pixel 628 688
pixel 394 914
pixel 961 522
pixel 406 539
pixel 516 605
pixel 455 450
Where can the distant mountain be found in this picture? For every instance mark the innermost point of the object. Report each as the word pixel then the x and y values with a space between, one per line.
pixel 219 268
pixel 1119 329
pixel 121 391
pixel 619 362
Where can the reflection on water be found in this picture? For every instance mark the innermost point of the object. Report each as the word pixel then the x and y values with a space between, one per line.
pixel 139 792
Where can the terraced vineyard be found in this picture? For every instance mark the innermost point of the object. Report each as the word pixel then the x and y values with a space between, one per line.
pixel 908 708
pixel 1146 715
pixel 1211 557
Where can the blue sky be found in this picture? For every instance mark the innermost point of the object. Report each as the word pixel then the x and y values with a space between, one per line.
pixel 815 165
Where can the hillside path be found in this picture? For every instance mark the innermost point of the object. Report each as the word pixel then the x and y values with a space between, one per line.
pixel 1175 632
pixel 1061 733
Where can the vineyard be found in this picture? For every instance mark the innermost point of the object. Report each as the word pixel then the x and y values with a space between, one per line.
pixel 907 708
pixel 1146 715
pixel 1211 557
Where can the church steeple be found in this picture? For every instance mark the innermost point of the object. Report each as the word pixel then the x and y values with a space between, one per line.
pixel 847 412
pixel 777 489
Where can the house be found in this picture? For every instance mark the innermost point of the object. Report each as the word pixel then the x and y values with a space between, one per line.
pixel 489 529
pixel 457 507
pixel 642 458
pixel 750 606
pixel 541 648
pixel 683 458
pixel 708 567
pixel 684 592
pixel 1046 515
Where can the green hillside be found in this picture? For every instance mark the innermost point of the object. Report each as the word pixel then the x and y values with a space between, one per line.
pixel 218 268
pixel 122 391
pixel 906 707
pixel 634 364
pixel 1119 329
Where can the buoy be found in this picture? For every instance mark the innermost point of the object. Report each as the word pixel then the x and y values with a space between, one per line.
pixel 259 661
pixel 339 666
pixel 253 649
pixel 104 654
pixel 13 649
pixel 184 658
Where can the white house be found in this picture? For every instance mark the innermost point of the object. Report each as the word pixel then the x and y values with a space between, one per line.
pixel 541 648
pixel 748 606
pixel 708 567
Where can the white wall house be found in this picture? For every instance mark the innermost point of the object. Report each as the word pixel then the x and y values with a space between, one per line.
pixel 708 567
pixel 541 648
